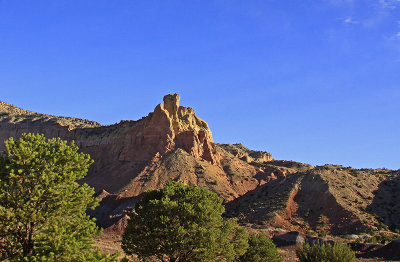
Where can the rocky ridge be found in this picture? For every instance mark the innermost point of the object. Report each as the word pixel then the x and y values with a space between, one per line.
pixel 132 157
pixel 13 115
pixel 172 143
pixel 328 199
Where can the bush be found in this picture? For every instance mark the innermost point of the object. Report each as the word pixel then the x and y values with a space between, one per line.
pixel 261 249
pixel 326 253
pixel 382 238
pixel 183 223
pixel 42 208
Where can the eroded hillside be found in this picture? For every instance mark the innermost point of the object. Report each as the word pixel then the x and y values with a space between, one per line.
pixel 332 199
pixel 172 143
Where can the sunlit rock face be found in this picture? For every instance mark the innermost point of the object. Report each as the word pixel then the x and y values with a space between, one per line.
pixel 170 126
pixel 132 157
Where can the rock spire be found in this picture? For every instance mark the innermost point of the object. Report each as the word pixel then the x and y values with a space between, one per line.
pixel 169 127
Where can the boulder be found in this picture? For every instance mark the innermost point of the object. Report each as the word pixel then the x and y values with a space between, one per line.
pixel 289 239
pixel 390 251
pixel 319 241
pixel 356 237
pixel 365 247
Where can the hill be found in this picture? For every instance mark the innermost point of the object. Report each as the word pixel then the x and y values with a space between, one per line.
pixel 172 143
pixel 332 199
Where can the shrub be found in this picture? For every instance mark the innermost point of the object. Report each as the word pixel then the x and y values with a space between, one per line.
pixel 42 208
pixel 261 249
pixel 326 253
pixel 183 223
pixel 322 234
pixel 381 238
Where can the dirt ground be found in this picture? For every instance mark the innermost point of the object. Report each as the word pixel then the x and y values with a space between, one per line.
pixel 111 243
pixel 289 255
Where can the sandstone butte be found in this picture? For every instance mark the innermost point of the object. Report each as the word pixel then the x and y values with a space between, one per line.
pixel 131 157
pixel 172 143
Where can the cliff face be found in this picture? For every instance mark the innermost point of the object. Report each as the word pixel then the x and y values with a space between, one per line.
pixel 131 157
pixel 172 143
pixel 169 127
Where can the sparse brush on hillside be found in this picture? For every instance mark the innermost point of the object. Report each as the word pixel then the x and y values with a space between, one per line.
pixel 326 253
pixel 42 208
pixel 382 238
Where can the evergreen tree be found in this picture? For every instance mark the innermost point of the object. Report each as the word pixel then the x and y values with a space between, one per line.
pixel 183 223
pixel 261 249
pixel 42 208
pixel 336 252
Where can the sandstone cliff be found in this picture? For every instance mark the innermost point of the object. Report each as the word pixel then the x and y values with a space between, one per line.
pixel 172 143
pixel 131 157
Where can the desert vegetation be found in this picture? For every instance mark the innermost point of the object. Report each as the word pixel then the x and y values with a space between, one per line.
pixel 325 252
pixel 261 249
pixel 185 223
pixel 42 208
pixel 42 214
pixel 44 201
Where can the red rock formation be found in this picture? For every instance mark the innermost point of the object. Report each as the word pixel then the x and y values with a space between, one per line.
pixel 169 127
pixel 135 156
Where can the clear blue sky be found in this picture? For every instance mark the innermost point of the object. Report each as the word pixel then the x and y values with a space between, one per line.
pixel 316 81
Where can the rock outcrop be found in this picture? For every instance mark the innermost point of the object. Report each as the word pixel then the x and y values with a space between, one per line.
pixel 288 239
pixel 131 157
pixel 389 252
pixel 325 199
pixel 172 143
pixel 169 127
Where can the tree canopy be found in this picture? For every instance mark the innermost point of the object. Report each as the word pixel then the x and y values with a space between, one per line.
pixel 326 252
pixel 183 223
pixel 42 208
pixel 261 249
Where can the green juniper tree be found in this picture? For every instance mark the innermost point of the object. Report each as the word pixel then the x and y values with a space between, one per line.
pixel 42 208
pixel 183 223
pixel 322 252
pixel 261 249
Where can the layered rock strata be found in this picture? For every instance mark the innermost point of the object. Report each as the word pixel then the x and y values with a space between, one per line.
pixel 172 143
pixel 131 157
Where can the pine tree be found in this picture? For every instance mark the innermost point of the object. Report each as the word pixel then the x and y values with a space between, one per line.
pixel 183 223
pixel 322 252
pixel 261 249
pixel 42 208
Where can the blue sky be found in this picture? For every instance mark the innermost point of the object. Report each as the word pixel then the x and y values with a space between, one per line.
pixel 316 81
